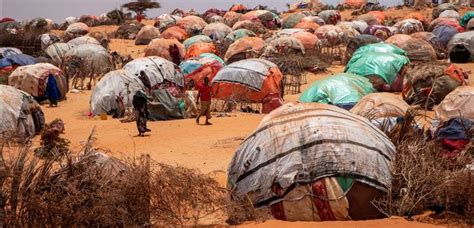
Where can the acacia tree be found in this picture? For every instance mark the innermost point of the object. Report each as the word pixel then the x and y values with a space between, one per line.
pixel 140 6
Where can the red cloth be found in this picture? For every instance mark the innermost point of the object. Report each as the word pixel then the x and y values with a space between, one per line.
pixel 139 17
pixel 204 92
pixel 452 147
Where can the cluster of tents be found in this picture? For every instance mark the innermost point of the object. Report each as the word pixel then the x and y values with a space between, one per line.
pixel 307 155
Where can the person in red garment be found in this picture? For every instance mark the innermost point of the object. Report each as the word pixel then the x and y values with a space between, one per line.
pixel 139 16
pixel 204 96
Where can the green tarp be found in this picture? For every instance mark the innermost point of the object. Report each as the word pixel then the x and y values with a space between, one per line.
pixel 341 88
pixel 380 48
pixel 385 65
pixel 465 19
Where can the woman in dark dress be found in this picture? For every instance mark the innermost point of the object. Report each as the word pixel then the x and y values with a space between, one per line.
pixel 140 100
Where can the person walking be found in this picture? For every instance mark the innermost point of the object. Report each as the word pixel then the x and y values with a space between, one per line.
pixel 204 98
pixel 52 91
pixel 140 100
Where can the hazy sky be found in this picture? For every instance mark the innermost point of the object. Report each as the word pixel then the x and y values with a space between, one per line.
pixel 58 10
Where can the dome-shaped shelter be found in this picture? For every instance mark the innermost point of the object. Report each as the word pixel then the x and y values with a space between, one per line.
pixel 87 61
pixel 200 48
pixel 330 17
pixel 457 104
pixel 243 48
pixel 254 26
pixel 83 40
pixel 461 47
pixel 409 26
pixel 174 32
pixel 162 47
pixel 217 31
pixel 419 50
pixel 33 79
pixel 157 69
pixel 22 116
pixel 331 33
pixel 196 39
pixel 57 52
pixel 192 24
pixel 146 34
pixel 309 162
pixel 250 80
pixel 115 87
pixel 202 66
pixel 75 30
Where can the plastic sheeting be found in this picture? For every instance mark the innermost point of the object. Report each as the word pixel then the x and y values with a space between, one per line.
pixel 381 105
pixel 156 68
pixel 379 48
pixel 196 39
pixel 302 143
pixel 164 106
pixel 34 78
pixel 6 51
pixel 113 84
pixel 95 57
pixel 409 26
pixel 218 31
pixel 17 59
pixel 77 28
pixel 466 39
pixel 243 45
pixel 341 88
pixel 384 65
pixel 146 34
pixel 457 104
pixel 250 73
pixel 17 109
pixel 466 18
pixel 57 52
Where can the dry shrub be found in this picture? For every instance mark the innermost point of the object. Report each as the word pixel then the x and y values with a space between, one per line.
pixel 92 189
pixel 423 179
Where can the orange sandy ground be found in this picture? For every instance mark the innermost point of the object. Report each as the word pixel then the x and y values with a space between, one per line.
pixel 207 148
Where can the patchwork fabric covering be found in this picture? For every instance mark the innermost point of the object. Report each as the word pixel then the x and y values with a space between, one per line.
pixel 34 78
pixel 457 103
pixel 157 69
pixel 301 143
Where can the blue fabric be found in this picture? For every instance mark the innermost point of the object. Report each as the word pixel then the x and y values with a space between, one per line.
pixel 346 106
pixel 52 91
pixel 454 129
pixel 444 33
pixel 189 66
pixel 17 59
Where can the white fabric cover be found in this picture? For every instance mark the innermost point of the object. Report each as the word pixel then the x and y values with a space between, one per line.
pixel 156 68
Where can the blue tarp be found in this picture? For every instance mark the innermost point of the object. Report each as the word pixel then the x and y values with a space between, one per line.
pixel 444 33
pixel 17 59
pixel 454 129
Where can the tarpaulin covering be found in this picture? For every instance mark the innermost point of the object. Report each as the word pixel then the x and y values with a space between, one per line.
pixel 419 50
pixel 384 65
pixel 379 48
pixel 457 104
pixel 409 26
pixel 333 34
pixel 444 33
pixel 82 40
pixel 341 88
pixel 166 21
pixel 243 45
pixel 442 7
pixel 381 105
pixel 309 40
pixel 146 34
pixel 200 48
pixel 21 115
pixel 113 84
pixel 95 57
pixel 291 20
pixel 249 80
pixel 160 47
pixel 238 34
pixel 465 39
pixel 156 68
pixel 174 32
pixel 398 39
pixel 77 28
pixel 218 31
pixel 302 143
pixel 57 52
pixel 34 78
pixel 6 51
pixel 330 16
pixel 192 24
pixel 196 39
pixel 164 106
pixel 17 59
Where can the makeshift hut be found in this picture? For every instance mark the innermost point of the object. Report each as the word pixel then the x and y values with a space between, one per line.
pixel 343 90
pixel 146 34
pixel 244 48
pixel 36 79
pixel 170 49
pixel 174 32
pixel 200 48
pixel 193 25
pixel 75 30
pixel 196 69
pixel 157 69
pixel 461 47
pixel 22 116
pixel 87 61
pixel 308 162
pixel 217 31
pixel 250 80
pixel 83 40
pixel 114 91
pixel 57 52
